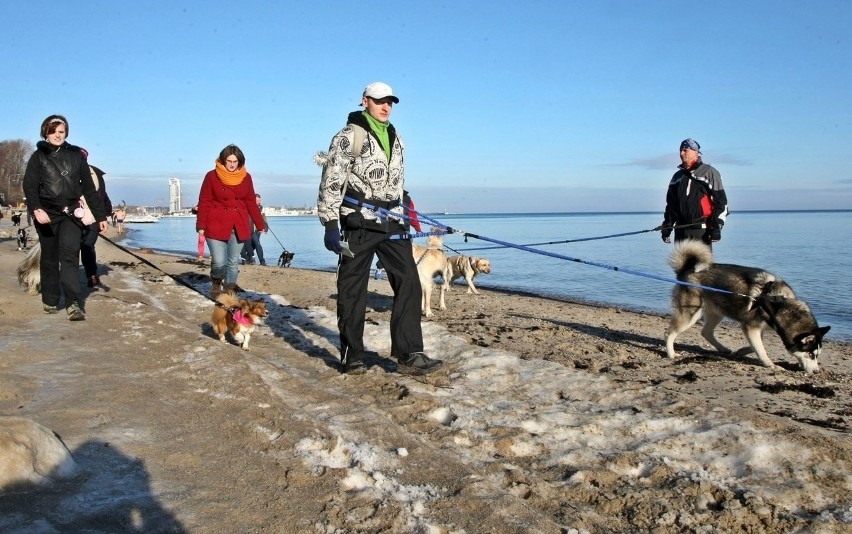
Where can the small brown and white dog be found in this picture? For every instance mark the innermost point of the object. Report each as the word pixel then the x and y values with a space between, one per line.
pixel 239 317
pixel 29 275
pixel 431 261
pixel 469 267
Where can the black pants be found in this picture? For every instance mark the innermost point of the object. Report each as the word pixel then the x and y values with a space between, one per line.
pixel 352 277
pixel 252 245
pixel 699 234
pixel 87 251
pixel 60 259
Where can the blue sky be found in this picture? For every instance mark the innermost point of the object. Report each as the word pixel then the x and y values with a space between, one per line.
pixel 505 106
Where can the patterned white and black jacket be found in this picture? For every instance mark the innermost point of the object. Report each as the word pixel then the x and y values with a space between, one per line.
pixel 369 175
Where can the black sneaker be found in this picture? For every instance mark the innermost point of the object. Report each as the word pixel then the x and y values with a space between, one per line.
pixel 354 367
pixel 50 309
pixel 75 313
pixel 417 363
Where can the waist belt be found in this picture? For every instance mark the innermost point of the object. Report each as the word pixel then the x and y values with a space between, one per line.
pixel 691 224
pixel 357 195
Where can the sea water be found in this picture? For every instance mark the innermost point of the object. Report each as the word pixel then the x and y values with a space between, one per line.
pixel 810 250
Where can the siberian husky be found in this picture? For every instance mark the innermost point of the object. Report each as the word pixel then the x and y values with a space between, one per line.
pixel 753 297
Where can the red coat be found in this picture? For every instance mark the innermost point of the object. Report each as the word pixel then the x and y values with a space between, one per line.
pixel 222 208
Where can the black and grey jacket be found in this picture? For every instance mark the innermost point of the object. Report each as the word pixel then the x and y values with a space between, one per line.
pixel 56 178
pixel 369 175
pixel 696 195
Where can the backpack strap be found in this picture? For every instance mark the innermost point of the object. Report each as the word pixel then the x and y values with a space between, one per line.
pixel 357 145
pixel 94 178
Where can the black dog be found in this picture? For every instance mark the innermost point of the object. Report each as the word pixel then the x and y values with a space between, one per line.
pixel 22 238
pixel 16 219
pixel 285 258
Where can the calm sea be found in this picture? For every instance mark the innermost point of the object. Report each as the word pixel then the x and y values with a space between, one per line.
pixel 810 250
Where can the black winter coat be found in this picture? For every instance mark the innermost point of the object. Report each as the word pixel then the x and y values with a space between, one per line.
pixel 56 178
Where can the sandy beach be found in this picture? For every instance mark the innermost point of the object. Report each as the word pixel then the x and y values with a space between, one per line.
pixel 548 416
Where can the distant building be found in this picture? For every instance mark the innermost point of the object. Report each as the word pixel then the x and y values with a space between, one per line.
pixel 174 195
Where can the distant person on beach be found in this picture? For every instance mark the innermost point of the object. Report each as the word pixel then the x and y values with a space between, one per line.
pixel 696 204
pixel 375 176
pixel 120 214
pixel 252 246
pixel 225 205
pixel 88 256
pixel 57 175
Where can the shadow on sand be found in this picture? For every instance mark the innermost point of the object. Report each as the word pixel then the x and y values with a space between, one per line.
pixel 110 493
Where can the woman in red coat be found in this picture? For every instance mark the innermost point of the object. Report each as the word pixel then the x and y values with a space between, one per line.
pixel 225 204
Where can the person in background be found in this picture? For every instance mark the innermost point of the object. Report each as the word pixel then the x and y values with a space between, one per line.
pixel 57 175
pixel 375 176
pixel 696 204
pixel 120 214
pixel 253 245
pixel 225 205
pixel 88 256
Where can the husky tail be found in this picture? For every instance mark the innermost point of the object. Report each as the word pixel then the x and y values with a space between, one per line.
pixel 690 256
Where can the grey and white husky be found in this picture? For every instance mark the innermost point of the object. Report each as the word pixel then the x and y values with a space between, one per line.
pixel 756 299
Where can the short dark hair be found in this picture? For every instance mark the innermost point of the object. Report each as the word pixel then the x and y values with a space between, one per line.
pixel 232 150
pixel 49 125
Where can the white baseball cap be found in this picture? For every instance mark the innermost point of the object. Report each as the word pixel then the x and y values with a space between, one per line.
pixel 379 90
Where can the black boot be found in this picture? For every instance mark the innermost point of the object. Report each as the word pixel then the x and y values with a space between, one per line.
pixel 234 288
pixel 215 287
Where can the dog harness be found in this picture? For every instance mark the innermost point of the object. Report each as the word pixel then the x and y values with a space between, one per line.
pixel 240 318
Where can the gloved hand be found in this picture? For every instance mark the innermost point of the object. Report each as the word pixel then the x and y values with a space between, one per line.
pixel 331 240
pixel 714 234
pixel 667 236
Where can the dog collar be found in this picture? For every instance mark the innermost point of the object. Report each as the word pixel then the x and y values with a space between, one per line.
pixel 240 318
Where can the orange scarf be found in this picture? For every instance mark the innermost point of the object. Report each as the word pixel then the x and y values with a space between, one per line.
pixel 228 177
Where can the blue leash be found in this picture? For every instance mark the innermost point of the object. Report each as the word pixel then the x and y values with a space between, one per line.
pixel 382 212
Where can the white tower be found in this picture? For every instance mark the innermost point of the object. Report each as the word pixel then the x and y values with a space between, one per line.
pixel 174 195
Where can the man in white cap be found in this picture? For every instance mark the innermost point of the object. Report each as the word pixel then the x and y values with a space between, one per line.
pixel 364 167
pixel 696 204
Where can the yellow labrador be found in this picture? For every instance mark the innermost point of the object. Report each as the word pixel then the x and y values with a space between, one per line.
pixel 431 261
pixel 467 266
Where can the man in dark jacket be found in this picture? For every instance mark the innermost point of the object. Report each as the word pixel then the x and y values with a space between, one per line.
pixel 696 204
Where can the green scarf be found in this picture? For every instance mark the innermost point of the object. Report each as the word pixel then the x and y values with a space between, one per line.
pixel 381 130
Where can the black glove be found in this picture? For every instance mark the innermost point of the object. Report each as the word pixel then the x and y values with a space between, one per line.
pixel 714 234
pixel 331 240
pixel 667 235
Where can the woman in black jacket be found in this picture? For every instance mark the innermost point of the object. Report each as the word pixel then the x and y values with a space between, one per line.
pixel 88 255
pixel 53 184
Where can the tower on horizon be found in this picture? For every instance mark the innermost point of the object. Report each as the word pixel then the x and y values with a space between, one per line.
pixel 174 195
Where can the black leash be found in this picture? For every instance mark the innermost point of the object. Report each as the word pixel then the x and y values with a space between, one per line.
pixel 276 238
pixel 149 264
pixel 657 229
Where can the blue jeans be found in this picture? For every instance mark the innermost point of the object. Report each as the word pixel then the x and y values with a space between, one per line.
pixel 225 258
